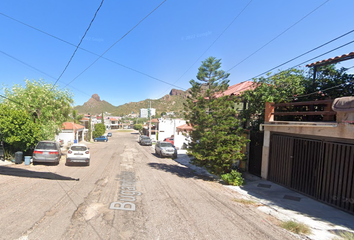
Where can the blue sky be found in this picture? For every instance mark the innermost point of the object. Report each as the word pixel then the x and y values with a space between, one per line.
pixel 250 37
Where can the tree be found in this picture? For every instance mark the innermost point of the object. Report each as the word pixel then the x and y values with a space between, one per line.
pixel 280 87
pixel 76 117
pixel 138 127
pixel 18 129
pixel 217 138
pixel 99 130
pixel 337 82
pixel 102 120
pixel 89 130
pixel 46 105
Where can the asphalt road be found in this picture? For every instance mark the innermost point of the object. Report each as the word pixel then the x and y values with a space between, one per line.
pixel 126 193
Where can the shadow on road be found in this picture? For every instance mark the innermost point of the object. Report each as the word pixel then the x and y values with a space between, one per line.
pixel 180 171
pixel 18 172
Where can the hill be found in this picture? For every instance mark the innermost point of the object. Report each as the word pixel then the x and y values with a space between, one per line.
pixel 95 106
pixel 172 102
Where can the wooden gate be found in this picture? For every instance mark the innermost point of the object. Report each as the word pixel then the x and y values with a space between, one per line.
pixel 322 169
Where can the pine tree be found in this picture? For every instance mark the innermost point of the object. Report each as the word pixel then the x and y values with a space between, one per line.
pixel 217 138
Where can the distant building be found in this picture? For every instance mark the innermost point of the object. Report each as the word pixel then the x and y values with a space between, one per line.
pixel 144 112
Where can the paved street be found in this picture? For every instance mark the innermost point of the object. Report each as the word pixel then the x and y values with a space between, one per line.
pixel 126 193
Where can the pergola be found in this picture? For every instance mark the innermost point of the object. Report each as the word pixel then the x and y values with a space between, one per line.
pixel 328 61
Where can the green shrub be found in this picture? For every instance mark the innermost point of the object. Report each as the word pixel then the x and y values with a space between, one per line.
pixel 233 178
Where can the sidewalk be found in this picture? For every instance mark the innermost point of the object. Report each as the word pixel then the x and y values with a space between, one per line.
pixel 285 204
pixel 2 162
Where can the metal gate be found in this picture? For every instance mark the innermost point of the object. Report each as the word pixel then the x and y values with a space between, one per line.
pixel 322 169
pixel 255 153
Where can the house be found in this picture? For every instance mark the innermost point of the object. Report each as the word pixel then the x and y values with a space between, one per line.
pixel 70 132
pixel 182 136
pixel 315 158
pixel 154 124
pixel 168 128
pixel 114 122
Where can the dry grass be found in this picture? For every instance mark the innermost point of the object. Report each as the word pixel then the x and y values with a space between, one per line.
pixel 345 235
pixel 244 201
pixel 295 227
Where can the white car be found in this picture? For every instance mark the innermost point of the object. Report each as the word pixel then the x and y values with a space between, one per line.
pixel 78 153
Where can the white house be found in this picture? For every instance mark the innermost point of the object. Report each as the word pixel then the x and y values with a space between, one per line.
pixel 168 128
pixel 71 132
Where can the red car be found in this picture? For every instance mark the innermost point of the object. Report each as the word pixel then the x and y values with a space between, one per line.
pixel 171 140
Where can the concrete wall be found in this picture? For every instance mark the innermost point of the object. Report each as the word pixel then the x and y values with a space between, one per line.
pixel 180 139
pixel 66 136
pixel 168 128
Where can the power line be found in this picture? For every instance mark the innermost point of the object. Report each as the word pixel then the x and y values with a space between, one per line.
pixel 12 100
pixel 117 42
pixel 38 70
pixel 213 41
pixel 72 56
pixel 326 89
pixel 311 58
pixel 305 53
pixel 278 35
pixel 101 56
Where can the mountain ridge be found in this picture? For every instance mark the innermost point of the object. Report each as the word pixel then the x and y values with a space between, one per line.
pixel 172 102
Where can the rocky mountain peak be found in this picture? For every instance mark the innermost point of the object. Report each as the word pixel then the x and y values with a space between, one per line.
pixel 175 92
pixel 96 97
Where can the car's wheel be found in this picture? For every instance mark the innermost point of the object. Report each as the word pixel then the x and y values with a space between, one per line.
pixel 88 164
pixel 105 140
pixel 174 156
pixel 95 140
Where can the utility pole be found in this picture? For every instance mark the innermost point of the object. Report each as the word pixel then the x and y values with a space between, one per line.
pixel 149 115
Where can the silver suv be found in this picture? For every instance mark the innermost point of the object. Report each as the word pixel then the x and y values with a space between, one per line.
pixel 165 149
pixel 47 152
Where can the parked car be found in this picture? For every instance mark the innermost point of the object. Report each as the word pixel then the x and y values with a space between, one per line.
pixel 78 153
pixel 109 134
pixel 101 139
pixel 47 152
pixel 165 149
pixel 146 142
pixel 142 136
pixel 171 140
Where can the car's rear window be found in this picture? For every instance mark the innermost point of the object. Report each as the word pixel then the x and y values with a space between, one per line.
pixel 78 148
pixel 47 146
pixel 166 144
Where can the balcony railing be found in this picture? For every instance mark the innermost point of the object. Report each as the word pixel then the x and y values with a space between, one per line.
pixel 320 110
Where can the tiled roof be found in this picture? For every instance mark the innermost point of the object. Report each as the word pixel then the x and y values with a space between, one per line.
pixel 69 126
pixel 341 58
pixel 155 120
pixel 113 119
pixel 237 89
pixel 84 119
pixel 185 127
